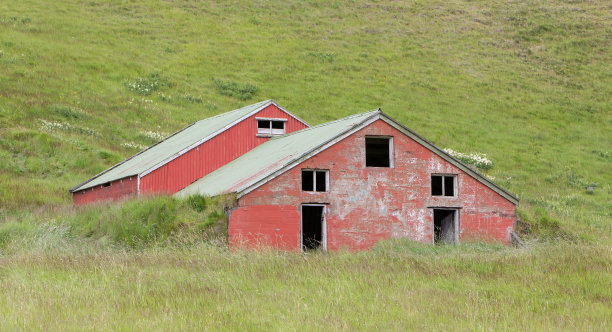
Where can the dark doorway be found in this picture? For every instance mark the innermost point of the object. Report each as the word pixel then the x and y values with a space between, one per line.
pixel 312 227
pixel 445 226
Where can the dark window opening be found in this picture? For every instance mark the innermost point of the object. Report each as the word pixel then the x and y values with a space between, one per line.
pixel 436 185
pixel 321 181
pixel 449 186
pixel 443 185
pixel 107 184
pixel 307 181
pixel 378 152
pixel 263 124
pixel 312 227
pixel 444 226
pixel 270 127
pixel 314 180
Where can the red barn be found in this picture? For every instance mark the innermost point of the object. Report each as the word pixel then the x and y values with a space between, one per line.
pixel 352 182
pixel 190 153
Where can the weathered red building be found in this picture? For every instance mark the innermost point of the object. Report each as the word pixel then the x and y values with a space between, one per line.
pixel 352 182
pixel 190 153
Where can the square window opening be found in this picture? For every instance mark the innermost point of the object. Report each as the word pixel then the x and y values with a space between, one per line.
pixel 314 180
pixel 443 185
pixel 263 124
pixel 378 151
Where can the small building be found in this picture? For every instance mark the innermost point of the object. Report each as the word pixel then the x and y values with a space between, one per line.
pixel 353 182
pixel 190 153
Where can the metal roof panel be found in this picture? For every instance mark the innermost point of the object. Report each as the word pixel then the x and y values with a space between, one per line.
pixel 170 146
pixel 271 156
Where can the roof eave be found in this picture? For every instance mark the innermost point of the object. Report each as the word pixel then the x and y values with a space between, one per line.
pixel 265 104
pixel 440 152
pixel 209 137
pixel 246 189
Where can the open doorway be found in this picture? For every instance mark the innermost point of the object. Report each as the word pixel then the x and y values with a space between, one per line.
pixel 313 235
pixel 446 226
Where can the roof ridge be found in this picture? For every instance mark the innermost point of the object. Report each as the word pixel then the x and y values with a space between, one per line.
pixel 238 109
pixel 76 188
pixel 376 111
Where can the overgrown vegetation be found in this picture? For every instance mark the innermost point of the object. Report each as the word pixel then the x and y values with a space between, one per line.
pixel 85 84
pixel 229 88
pixel 136 223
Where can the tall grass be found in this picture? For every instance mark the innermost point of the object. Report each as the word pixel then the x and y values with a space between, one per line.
pixel 131 224
pixel 85 84
pixel 397 286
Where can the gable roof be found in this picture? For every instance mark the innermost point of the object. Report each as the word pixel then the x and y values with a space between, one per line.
pixel 280 154
pixel 176 144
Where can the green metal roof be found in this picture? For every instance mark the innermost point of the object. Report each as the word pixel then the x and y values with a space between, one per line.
pixel 272 156
pixel 171 146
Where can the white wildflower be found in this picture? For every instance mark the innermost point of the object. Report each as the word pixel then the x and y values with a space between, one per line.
pixel 154 135
pixel 132 145
pixel 479 160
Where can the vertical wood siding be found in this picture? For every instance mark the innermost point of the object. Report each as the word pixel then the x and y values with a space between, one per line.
pixel 118 189
pixel 213 154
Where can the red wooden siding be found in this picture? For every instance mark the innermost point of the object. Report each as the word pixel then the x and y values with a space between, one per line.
pixel 117 189
pixel 213 153
pixel 367 205
pixel 265 225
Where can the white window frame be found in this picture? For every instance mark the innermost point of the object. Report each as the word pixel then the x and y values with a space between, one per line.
pixel 391 151
pixel 455 186
pixel 314 180
pixel 323 226
pixel 271 131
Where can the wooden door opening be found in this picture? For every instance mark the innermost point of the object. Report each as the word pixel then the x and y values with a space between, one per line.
pixel 313 228
pixel 446 226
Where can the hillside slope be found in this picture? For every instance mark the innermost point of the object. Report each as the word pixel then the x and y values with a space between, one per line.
pixel 84 84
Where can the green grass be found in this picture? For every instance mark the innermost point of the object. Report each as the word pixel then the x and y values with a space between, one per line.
pixel 398 286
pixel 84 84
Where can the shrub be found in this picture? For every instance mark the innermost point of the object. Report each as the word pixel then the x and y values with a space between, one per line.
pixel 67 112
pixel 146 221
pixel 233 89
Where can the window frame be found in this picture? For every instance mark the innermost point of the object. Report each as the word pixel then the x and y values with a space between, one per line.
pixel 314 180
pixel 271 131
pixel 391 151
pixel 444 175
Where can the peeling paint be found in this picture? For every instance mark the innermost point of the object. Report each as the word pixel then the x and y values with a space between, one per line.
pixel 368 204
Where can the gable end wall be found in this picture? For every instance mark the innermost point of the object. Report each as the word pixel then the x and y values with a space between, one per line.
pixel 212 154
pixel 366 205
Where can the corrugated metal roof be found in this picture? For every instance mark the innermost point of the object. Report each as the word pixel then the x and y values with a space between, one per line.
pixel 257 164
pixel 270 159
pixel 170 146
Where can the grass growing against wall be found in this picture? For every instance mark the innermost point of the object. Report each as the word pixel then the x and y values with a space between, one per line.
pixel 131 224
pixel 85 84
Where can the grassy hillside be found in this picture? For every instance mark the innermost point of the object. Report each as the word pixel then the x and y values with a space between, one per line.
pixel 84 84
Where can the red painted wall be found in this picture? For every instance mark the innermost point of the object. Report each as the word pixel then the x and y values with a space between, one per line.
pixel 117 190
pixel 194 164
pixel 213 154
pixel 260 224
pixel 367 205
